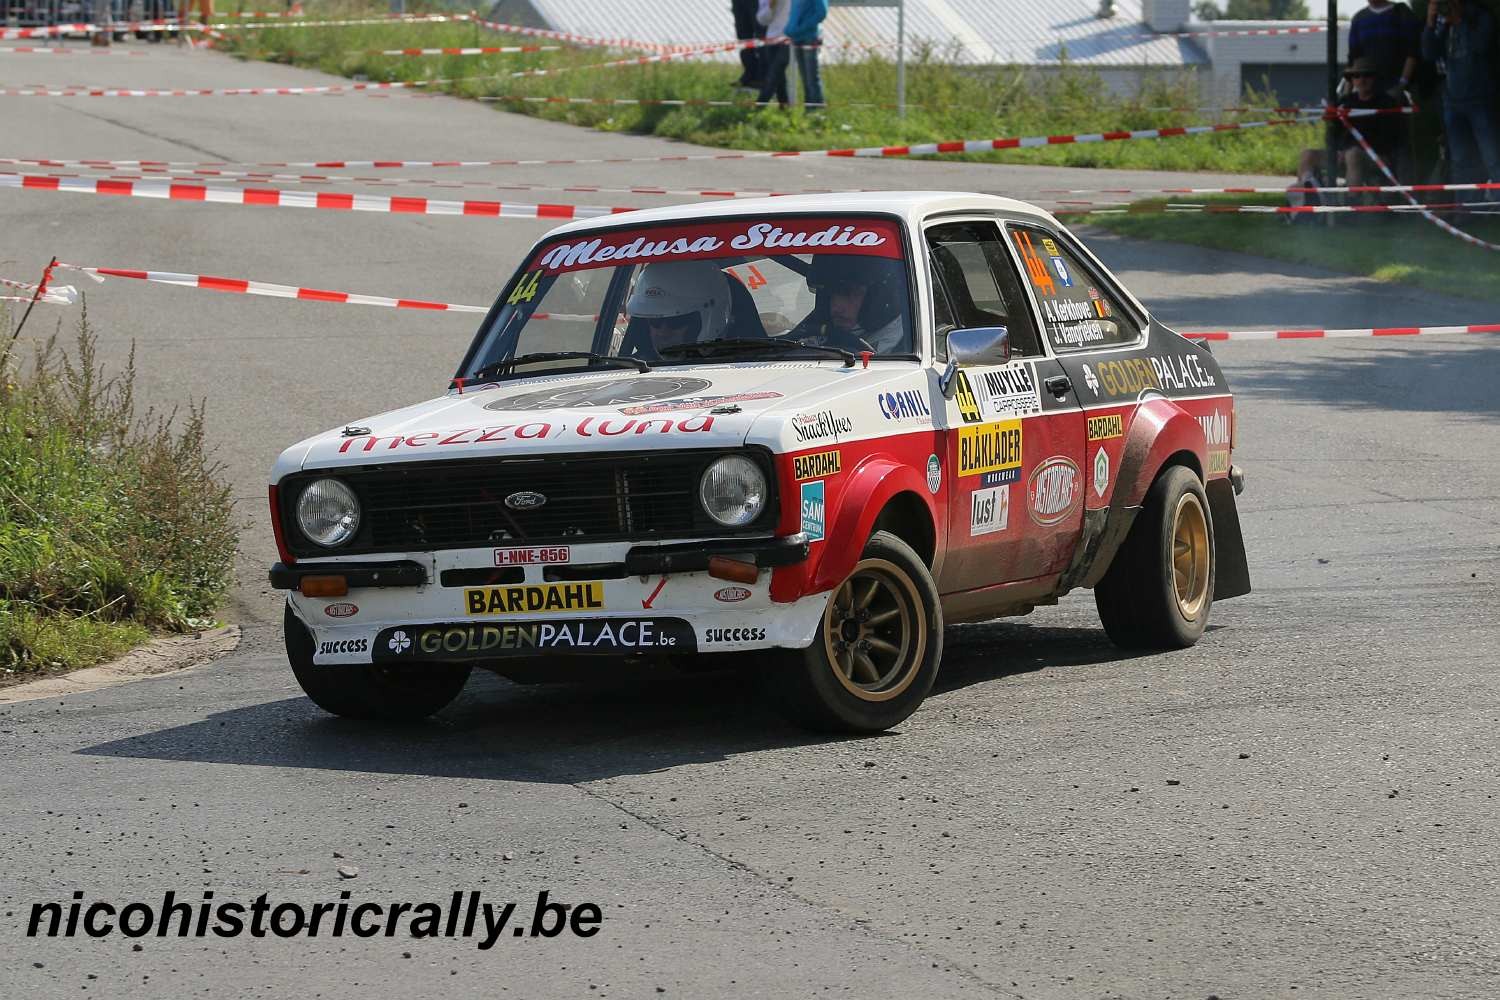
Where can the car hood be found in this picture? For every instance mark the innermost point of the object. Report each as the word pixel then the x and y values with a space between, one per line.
pixel 682 407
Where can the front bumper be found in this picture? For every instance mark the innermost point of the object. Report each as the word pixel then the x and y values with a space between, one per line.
pixel 606 599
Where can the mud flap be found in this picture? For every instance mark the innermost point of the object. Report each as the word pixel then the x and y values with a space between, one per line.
pixel 1232 572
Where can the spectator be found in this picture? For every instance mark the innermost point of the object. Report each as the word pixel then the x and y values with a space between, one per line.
pixel 775 56
pixel 1382 132
pixel 1464 39
pixel 805 29
pixel 1389 35
pixel 748 29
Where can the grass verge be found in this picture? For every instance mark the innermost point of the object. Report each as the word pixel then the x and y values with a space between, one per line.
pixel 949 101
pixel 1385 247
pixel 113 524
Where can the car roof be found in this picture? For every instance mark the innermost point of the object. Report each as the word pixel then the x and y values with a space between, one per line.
pixel 910 205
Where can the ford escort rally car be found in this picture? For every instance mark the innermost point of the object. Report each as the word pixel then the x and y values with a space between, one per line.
pixel 823 427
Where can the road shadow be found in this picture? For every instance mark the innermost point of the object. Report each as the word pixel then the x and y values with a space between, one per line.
pixel 569 733
pixel 1457 375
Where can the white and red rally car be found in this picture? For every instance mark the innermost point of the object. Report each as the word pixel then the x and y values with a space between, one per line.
pixel 823 425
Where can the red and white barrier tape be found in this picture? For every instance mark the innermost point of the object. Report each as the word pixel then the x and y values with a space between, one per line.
pixel 1353 189
pixel 1231 209
pixel 754 43
pixel 326 200
pixel 1442 224
pixel 343 23
pixel 1388 331
pixel 28 50
pixel 586 41
pixel 337 88
pixel 679 102
pixel 919 149
pixel 61 295
pixel 259 177
pixel 493 50
pixel 243 287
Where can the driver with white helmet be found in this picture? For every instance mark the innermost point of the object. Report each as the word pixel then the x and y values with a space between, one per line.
pixel 676 302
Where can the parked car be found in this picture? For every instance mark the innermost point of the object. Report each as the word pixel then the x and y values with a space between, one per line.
pixel 820 428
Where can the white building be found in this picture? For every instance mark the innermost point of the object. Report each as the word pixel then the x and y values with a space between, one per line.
pixel 1125 41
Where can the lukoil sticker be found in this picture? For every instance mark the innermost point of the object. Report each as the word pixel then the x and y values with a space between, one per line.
pixel 812 510
pixel 731 595
pixel 531 598
pixel 341 610
pixel 989 510
pixel 1052 492
pixel 934 474
pixel 1101 471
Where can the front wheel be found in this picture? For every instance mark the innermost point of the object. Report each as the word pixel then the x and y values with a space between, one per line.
pixel 877 650
pixel 388 692
pixel 1160 587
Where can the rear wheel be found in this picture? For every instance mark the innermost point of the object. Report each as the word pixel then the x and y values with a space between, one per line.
pixel 389 692
pixel 1160 587
pixel 877 649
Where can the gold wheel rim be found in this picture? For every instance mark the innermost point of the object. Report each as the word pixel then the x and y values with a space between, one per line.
pixel 1190 556
pixel 874 631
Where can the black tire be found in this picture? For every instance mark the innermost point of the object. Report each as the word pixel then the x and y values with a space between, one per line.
pixel 829 685
pixel 392 693
pixel 1160 587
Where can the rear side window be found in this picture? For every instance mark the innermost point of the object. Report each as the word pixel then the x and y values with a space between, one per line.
pixel 1078 313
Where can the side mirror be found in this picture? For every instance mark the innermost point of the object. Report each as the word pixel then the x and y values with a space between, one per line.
pixel 977 345
pixel 980 345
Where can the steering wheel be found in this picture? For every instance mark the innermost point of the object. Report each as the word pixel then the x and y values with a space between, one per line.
pixel 864 345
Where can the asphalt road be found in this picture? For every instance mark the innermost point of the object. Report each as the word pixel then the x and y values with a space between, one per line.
pixel 1300 806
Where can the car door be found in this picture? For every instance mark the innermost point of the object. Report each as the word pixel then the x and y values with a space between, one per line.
pixel 1086 323
pixel 1014 428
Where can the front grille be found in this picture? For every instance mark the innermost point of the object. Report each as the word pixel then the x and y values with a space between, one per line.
pixel 428 506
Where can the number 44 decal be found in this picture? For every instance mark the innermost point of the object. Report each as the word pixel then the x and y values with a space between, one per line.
pixel 757 280
pixel 526 290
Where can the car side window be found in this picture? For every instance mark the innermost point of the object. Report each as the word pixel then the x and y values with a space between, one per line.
pixel 970 265
pixel 1078 313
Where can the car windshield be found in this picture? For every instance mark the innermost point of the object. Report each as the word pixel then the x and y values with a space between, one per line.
pixel 677 293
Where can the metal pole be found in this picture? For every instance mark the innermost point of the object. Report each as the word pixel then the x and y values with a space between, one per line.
pixel 901 57
pixel 1331 130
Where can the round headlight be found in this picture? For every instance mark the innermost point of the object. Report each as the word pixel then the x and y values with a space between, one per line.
pixel 733 491
pixel 328 513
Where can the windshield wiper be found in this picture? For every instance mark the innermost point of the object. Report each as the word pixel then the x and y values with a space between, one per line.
pixel 752 345
pixel 508 365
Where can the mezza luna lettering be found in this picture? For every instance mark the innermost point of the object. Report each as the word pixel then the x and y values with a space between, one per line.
pixel 587 427
pixel 1215 429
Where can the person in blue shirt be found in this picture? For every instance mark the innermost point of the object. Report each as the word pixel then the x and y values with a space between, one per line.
pixel 805 29
pixel 1462 37
pixel 1387 33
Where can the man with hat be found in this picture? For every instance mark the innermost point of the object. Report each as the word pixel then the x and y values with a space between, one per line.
pixel 1381 131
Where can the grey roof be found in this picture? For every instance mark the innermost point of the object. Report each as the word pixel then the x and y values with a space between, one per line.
pixel 1026 32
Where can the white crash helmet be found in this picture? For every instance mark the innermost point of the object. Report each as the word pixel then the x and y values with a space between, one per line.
pixel 680 288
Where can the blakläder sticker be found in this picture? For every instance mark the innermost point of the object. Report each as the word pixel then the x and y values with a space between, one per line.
pixel 581 636
pixel 987 448
pixel 1053 490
